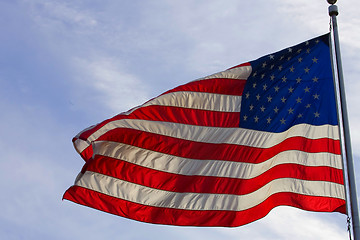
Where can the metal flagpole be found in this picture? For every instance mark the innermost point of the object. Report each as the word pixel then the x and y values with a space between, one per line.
pixel 333 12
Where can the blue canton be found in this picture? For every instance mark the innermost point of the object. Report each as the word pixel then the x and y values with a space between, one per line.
pixel 290 87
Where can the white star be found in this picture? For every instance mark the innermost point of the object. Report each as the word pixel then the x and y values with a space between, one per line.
pixel 291 89
pixel 307 70
pixel 264 87
pixel 298 80
pixel 299 59
pixel 291 111
pixel 308 50
pixel 276 110
pixel 256 119
pixel 258 97
pixel 264 64
pixel 262 108
pixel 282 57
pixel 251 107
pixel 317 41
pixel 268 120
pixel 289 58
pixel 276 88
pixel 315 79
pixel 262 75
pixel 316 96
pixel 307 43
pixel 254 85
pixel 298 51
pixel 254 74
pixel 283 99
pixel 298 100
pixel 290 49
pixel 284 79
pixel 282 121
pixel 269 98
pixel 271 56
pixel 308 106
pixel 317 115
pixel 300 115
pixel 307 89
pixel 272 77
pixel 280 68
pixel 272 66
pixel 315 60
pixel 292 69
pixel 247 95
pixel 245 118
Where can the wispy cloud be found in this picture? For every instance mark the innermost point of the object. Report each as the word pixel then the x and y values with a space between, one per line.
pixel 117 90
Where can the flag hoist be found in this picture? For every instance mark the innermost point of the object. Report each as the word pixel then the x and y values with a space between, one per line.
pixel 333 12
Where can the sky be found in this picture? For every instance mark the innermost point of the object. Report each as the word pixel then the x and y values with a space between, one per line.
pixel 69 64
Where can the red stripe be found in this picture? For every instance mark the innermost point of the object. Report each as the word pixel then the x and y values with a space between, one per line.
pixel 220 86
pixel 241 65
pixel 206 184
pixel 185 116
pixel 206 151
pixel 214 85
pixel 200 218
pixel 87 153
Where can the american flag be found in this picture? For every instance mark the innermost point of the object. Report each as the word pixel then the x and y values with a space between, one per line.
pixel 222 150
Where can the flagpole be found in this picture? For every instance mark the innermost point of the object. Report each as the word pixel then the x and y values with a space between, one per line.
pixel 333 12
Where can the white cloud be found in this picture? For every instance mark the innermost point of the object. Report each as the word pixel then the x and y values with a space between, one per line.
pixel 117 90
pixel 294 224
pixel 60 13
pixel 291 223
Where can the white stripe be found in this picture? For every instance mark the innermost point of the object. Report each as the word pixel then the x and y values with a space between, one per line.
pixel 216 168
pixel 195 100
pixel 237 136
pixel 198 100
pixel 200 201
pixel 241 73
pixel 80 145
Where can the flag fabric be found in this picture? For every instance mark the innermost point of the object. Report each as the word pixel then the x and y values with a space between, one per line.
pixel 222 150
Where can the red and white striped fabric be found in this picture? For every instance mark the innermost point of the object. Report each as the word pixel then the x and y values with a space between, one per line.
pixel 182 159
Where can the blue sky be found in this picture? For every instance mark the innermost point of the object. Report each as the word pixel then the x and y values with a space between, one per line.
pixel 65 65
